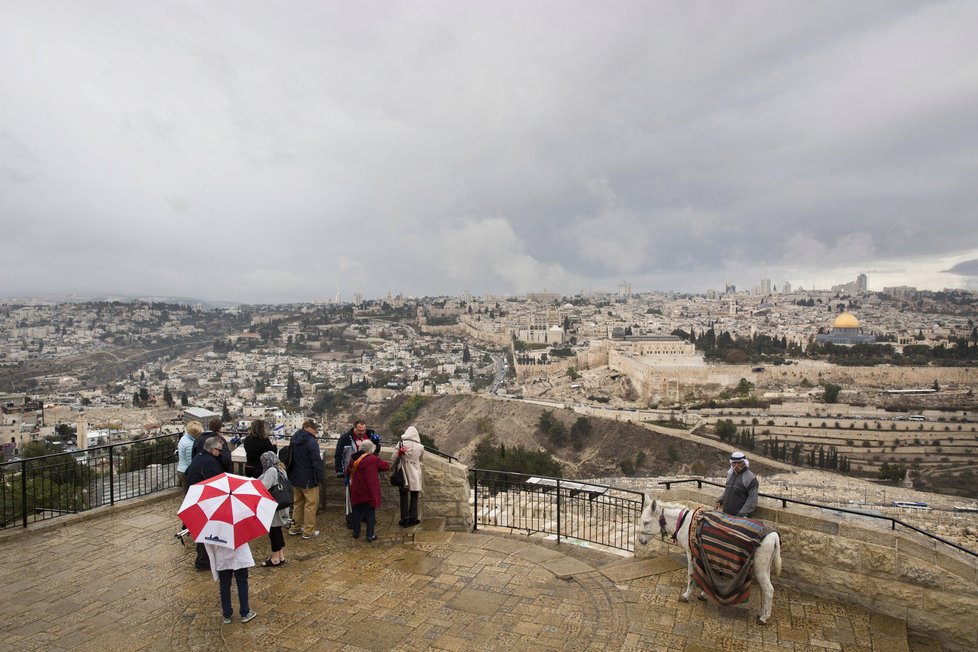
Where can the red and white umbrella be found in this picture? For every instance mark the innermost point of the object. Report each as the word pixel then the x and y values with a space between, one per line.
pixel 227 510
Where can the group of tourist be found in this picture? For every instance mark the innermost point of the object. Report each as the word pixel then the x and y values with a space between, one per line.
pixel 206 454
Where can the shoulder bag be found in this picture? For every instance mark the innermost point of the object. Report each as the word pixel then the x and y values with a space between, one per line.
pixel 397 474
pixel 282 492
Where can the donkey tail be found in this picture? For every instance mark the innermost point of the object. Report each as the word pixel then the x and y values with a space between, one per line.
pixel 776 561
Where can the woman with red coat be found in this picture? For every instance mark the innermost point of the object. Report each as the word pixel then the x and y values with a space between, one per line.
pixel 364 473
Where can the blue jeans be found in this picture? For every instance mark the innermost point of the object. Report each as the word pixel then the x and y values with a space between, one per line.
pixel 361 511
pixel 241 579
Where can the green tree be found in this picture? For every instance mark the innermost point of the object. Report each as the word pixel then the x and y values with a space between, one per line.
pixel 519 460
pixel 580 431
pixel 725 429
pixel 225 413
pixel 892 472
pixel 405 414
pixel 558 434
pixel 546 422
pixel 184 399
pixel 168 396
pixel 831 393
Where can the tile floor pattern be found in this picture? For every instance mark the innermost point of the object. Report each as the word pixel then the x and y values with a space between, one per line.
pixel 120 581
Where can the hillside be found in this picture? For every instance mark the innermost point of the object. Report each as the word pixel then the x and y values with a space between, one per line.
pixel 457 423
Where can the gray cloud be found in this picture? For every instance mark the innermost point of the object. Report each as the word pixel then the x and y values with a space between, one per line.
pixel 966 268
pixel 439 147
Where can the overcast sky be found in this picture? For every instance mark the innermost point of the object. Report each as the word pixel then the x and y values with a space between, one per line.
pixel 277 152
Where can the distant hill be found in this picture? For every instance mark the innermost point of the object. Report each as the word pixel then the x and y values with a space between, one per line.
pixel 456 423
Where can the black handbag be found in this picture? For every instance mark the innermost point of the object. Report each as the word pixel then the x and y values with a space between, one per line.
pixel 282 492
pixel 397 474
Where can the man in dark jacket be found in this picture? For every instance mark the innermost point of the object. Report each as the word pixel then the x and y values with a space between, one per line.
pixel 740 496
pixel 203 466
pixel 214 430
pixel 306 474
pixel 349 443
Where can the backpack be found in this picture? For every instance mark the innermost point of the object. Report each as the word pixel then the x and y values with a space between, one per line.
pixel 285 456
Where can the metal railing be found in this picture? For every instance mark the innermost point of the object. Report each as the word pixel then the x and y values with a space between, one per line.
pixel 41 488
pixel 784 504
pixel 433 451
pixel 600 514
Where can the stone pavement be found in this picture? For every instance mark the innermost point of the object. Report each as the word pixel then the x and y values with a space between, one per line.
pixel 119 580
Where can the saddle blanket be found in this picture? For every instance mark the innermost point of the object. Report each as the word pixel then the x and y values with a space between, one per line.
pixel 722 548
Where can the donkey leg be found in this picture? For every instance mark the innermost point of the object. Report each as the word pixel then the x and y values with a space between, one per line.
pixel 762 573
pixel 689 579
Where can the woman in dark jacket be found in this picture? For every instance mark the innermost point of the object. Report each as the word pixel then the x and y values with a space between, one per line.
pixel 364 473
pixel 256 443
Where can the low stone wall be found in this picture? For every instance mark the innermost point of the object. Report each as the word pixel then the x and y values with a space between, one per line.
pixel 446 492
pixel 445 489
pixel 929 585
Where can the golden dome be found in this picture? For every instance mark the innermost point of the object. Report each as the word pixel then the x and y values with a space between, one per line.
pixel 845 320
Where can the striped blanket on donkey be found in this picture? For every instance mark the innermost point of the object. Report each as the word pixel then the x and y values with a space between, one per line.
pixel 723 548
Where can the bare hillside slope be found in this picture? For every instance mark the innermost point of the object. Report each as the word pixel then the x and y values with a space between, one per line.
pixel 457 423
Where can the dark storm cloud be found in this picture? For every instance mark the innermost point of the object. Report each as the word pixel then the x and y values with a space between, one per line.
pixel 446 147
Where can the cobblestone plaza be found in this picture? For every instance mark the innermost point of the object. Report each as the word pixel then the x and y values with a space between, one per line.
pixel 119 580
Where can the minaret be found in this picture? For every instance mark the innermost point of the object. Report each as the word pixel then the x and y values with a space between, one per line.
pixel 81 435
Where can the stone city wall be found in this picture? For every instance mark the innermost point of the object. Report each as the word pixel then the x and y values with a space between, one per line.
pixel 879 376
pixel 652 380
pixel 929 585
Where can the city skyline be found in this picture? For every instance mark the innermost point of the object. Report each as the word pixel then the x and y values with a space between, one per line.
pixel 235 152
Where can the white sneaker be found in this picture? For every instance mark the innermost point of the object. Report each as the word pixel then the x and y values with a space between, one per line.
pixel 311 535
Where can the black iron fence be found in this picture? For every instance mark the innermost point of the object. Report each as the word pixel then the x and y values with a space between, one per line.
pixel 600 514
pixel 41 488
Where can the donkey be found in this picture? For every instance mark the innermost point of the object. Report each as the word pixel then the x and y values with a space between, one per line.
pixel 663 518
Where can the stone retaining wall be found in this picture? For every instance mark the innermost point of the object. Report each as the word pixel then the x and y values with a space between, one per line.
pixel 929 585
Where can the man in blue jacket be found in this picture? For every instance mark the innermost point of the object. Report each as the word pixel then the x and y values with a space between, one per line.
pixel 306 474
pixel 205 465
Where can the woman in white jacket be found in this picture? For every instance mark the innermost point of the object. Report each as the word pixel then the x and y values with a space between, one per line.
pixel 410 452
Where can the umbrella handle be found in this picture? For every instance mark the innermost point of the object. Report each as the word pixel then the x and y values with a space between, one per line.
pixel 181 534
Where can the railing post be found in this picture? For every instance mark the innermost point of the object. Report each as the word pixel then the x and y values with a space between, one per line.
pixel 475 500
pixel 558 510
pixel 23 491
pixel 111 476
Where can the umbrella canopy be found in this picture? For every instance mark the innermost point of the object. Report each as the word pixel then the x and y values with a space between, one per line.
pixel 227 510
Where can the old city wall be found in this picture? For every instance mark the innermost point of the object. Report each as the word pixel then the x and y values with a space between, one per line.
pixel 929 585
pixel 880 376
pixel 651 380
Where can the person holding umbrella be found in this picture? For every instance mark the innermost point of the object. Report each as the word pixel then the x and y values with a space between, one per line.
pixel 225 564
pixel 205 465
pixel 224 513
pixel 215 426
